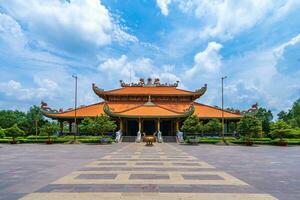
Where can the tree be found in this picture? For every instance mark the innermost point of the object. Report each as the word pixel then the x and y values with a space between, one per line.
pixel 213 126
pixel 9 117
pixel 279 129
pixel 85 126
pixel 284 116
pixel 249 126
pixel 265 116
pixel 35 119
pixel 49 129
pixel 14 132
pixel 98 125
pixel 292 116
pixel 2 133
pixel 232 127
pixel 192 125
pixel 295 122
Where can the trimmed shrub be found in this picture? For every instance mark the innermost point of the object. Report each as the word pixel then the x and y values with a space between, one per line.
pixel 14 132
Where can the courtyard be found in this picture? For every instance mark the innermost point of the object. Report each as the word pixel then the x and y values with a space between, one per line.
pixel 136 171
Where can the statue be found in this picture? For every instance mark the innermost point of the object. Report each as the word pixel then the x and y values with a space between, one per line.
pixel 149 81
pixel 44 105
pixel 141 82
pixel 157 82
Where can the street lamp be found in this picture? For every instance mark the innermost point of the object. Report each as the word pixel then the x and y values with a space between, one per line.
pixel 223 129
pixel 75 109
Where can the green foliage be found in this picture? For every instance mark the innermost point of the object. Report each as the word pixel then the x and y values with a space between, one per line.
pixel 292 117
pixel 213 126
pixel 2 133
pixel 9 117
pixel 35 120
pixel 192 125
pixel 232 127
pixel 249 126
pixel 279 129
pixel 97 125
pixel 86 126
pixel 265 116
pixel 14 132
pixel 49 129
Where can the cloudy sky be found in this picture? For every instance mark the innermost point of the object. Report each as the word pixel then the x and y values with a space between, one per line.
pixel 256 43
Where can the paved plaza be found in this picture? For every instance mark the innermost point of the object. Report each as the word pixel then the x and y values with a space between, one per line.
pixel 135 171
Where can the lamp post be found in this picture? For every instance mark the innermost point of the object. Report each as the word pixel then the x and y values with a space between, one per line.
pixel 223 129
pixel 75 109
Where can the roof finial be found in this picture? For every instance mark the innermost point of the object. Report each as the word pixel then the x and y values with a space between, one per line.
pixel 149 103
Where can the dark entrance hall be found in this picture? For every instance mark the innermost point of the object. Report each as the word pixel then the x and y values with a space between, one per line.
pixel 132 127
pixel 149 127
pixel 166 128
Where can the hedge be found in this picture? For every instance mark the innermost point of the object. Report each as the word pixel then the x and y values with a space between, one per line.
pixel 54 139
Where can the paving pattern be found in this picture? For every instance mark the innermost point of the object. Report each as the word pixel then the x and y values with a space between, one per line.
pixel 137 171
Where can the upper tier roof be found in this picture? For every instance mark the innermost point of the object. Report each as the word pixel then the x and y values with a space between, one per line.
pixel 156 90
pixel 145 90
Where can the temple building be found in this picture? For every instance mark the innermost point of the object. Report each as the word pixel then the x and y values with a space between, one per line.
pixel 144 108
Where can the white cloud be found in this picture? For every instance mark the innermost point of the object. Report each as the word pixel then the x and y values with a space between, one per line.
pixel 122 68
pixel 279 51
pixel 207 61
pixel 254 77
pixel 225 19
pixel 74 25
pixel 163 5
pixel 11 34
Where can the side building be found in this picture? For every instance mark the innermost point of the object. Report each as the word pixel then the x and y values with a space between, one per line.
pixel 144 108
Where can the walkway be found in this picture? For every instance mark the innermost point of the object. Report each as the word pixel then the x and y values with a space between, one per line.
pixel 140 172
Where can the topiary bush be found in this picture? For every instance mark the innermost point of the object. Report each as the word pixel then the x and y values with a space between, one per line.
pixel 14 132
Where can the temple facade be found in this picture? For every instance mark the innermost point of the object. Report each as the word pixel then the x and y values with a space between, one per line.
pixel 147 107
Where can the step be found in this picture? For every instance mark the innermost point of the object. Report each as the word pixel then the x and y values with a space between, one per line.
pixel 169 138
pixel 128 138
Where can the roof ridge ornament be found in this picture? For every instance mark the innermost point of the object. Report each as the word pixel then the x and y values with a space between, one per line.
pixel 202 90
pixel 150 83
pixel 149 102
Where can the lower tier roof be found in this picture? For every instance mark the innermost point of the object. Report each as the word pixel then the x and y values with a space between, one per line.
pixel 143 110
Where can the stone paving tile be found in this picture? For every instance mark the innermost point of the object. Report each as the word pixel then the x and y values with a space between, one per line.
pixel 111 163
pixel 149 163
pixel 201 177
pixel 144 169
pixel 96 176
pixel 139 172
pixel 149 176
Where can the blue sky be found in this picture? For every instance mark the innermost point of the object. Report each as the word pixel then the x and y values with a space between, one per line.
pixel 255 43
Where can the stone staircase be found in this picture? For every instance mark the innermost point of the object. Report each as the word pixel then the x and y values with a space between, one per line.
pixel 128 139
pixel 169 138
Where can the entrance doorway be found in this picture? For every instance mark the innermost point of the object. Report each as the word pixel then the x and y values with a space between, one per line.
pixel 149 127
pixel 166 128
pixel 132 127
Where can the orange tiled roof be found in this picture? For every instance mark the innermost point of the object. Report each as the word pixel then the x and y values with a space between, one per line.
pixel 86 111
pixel 144 110
pixel 139 109
pixel 149 90
pixel 205 111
